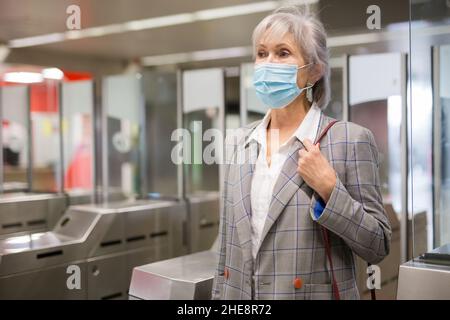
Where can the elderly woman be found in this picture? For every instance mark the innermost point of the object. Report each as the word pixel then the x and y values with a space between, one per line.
pixel 296 212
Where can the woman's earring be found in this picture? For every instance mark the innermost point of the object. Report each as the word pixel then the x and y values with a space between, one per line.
pixel 309 92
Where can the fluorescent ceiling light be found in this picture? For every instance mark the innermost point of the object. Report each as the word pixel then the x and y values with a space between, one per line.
pixel 202 55
pixel 166 59
pixel 225 53
pixel 156 22
pixel 23 77
pixel 36 40
pixel 159 22
pixel 94 32
pixel 239 10
pixel 53 73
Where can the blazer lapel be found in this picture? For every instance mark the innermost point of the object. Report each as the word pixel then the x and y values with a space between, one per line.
pixel 242 192
pixel 288 182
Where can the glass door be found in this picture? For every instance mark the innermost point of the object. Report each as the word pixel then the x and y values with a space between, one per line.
pixel 14 135
pixel 122 129
pixel 441 143
pixel 77 108
pixel 429 140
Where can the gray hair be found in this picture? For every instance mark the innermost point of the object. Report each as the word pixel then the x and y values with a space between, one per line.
pixel 310 36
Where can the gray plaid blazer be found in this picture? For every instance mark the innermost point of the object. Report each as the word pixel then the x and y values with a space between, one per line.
pixel 291 244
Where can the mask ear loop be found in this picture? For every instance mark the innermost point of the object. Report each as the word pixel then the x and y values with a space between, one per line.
pixel 304 66
pixel 309 86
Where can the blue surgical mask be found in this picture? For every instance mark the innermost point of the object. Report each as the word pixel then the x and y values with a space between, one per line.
pixel 276 83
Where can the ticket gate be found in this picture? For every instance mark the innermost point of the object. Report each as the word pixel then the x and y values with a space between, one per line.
pixel 426 277
pixel 29 212
pixel 188 277
pixel 100 244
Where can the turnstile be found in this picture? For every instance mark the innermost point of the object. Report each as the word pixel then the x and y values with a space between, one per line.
pixel 426 277
pixel 98 243
pixel 188 277
pixel 29 212
pixel 204 219
pixel 191 276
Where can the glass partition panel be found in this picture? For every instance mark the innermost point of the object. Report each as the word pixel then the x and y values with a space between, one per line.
pixel 338 86
pixel 45 133
pixel 203 110
pixel 377 101
pixel 442 154
pixel 160 90
pixel 123 104
pixel 14 132
pixel 77 129
pixel 429 144
pixel 375 97
pixel 232 98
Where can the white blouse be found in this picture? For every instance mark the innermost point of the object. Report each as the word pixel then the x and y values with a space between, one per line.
pixel 264 177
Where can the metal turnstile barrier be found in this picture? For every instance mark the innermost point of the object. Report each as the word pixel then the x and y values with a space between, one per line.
pixel 100 244
pixel 204 220
pixel 426 277
pixel 188 277
pixel 29 212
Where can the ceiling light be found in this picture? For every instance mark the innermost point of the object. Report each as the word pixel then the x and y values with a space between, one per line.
pixel 225 53
pixel 23 77
pixel 36 40
pixel 53 73
pixel 202 55
pixel 239 10
pixel 166 59
pixel 159 22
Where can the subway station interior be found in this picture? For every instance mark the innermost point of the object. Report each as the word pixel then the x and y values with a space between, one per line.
pixel 93 95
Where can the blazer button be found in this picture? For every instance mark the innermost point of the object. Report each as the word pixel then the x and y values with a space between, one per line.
pixel 298 283
pixel 226 273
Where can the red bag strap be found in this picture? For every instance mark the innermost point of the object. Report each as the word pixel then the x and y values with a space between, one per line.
pixel 326 239
pixel 324 131
pixel 330 261
pixel 373 294
pixel 325 236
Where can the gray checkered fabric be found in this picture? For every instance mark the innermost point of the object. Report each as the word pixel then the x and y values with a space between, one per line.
pixel 291 244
